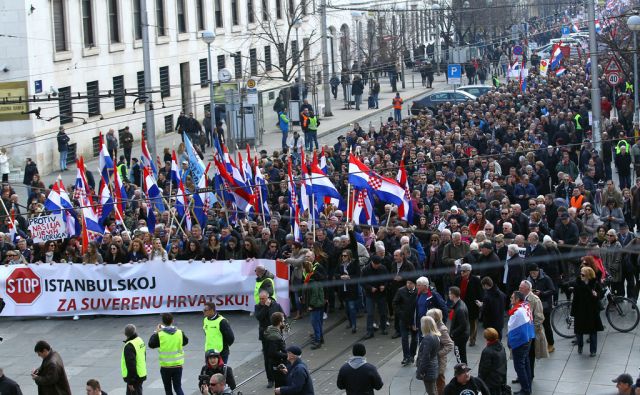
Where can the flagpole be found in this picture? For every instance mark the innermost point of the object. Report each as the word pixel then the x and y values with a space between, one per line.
pixel 9 215
pixel 389 216
pixel 264 217
pixel 348 192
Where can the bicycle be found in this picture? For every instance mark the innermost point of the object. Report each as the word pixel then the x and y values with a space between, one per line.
pixel 622 314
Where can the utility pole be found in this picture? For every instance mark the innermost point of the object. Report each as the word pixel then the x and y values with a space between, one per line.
pixel 326 90
pixel 595 88
pixel 148 102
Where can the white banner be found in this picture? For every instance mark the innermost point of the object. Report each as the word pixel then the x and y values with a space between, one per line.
pixel 47 227
pixel 63 289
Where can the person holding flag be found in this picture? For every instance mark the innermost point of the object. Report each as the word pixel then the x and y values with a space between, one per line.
pixel 520 333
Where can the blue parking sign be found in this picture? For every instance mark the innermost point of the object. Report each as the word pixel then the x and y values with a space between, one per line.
pixel 454 74
pixel 565 30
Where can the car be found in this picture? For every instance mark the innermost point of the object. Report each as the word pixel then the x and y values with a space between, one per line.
pixel 431 101
pixel 475 90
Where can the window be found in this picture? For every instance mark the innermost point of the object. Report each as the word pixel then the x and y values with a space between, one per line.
pixel 253 61
pixel 278 9
pixel 165 87
pixel 200 14
pixel 221 62
pixel 114 23
pixel 237 65
pixel 160 25
pixel 87 24
pixel 182 18
pixel 96 146
pixel 219 19
pixel 204 73
pixel 234 12
pixel 282 60
pixel 265 10
pixel 251 12
pixel 119 101
pixel 295 56
pixel 137 20
pixel 64 105
pixel 168 123
pixel 59 25
pixel 267 58
pixel 141 93
pixel 93 98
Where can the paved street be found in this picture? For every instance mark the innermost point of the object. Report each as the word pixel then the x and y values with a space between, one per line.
pixel 91 349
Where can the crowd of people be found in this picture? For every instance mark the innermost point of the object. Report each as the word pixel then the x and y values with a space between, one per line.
pixel 513 204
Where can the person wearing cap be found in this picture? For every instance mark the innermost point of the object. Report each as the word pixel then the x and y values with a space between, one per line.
pixel 470 292
pixel 133 362
pixel 215 365
pixel 217 331
pixel 542 286
pixel 566 231
pixel 357 376
pixel 464 383
pixel 488 263
pixel 299 380
pixel 625 386
pixel 169 341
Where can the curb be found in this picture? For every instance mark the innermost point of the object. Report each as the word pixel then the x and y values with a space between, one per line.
pixel 365 116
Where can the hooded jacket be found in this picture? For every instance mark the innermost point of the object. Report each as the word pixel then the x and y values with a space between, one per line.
pixel 210 370
pixel 358 377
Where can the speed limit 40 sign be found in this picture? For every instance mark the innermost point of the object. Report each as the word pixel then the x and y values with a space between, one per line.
pixel 613 79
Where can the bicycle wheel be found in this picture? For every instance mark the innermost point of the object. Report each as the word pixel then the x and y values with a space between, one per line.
pixel 622 314
pixel 562 321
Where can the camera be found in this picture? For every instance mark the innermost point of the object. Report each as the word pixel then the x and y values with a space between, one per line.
pixel 203 379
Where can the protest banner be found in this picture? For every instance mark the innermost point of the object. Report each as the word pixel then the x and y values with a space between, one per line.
pixel 63 289
pixel 47 227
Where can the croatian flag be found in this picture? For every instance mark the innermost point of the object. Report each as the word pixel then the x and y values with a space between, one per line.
pixel 560 72
pixel 202 201
pixel 105 162
pixel 81 185
pixel 322 186
pixel 175 170
pixel 386 189
pixel 403 180
pixel 106 202
pixel 598 27
pixel 243 198
pixel 575 28
pixel 523 79
pixel 146 159
pixel 363 208
pixel 152 191
pixel 58 202
pixel 520 325
pixel 556 56
pixel 323 161
pixel 182 205
pixel 306 187
pixel 262 191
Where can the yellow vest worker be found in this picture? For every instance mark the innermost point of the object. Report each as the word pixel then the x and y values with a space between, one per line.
pixel 264 281
pixel 217 331
pixel 133 363
pixel 169 341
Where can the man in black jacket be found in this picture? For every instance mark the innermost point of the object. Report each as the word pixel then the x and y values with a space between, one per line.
pixel 275 350
pixel 459 318
pixel 464 383
pixel 470 293
pixel 374 291
pixel 63 147
pixel 126 139
pixel 8 386
pixel 404 305
pixel 513 270
pixel 357 376
pixel 213 330
pixel 50 377
pixel 542 286
pixel 263 312
pixel 492 306
pixel 134 357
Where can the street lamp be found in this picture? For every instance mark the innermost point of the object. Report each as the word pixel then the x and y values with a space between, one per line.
pixel 297 24
pixel 436 11
pixel 357 16
pixel 209 37
pixel 634 25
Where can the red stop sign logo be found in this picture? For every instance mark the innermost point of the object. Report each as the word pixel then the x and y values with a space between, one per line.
pixel 23 286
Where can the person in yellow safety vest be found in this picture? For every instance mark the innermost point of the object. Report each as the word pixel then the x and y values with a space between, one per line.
pixel 133 362
pixel 577 121
pixel 218 334
pixel 169 341
pixel 623 142
pixel 264 281
pixel 123 172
